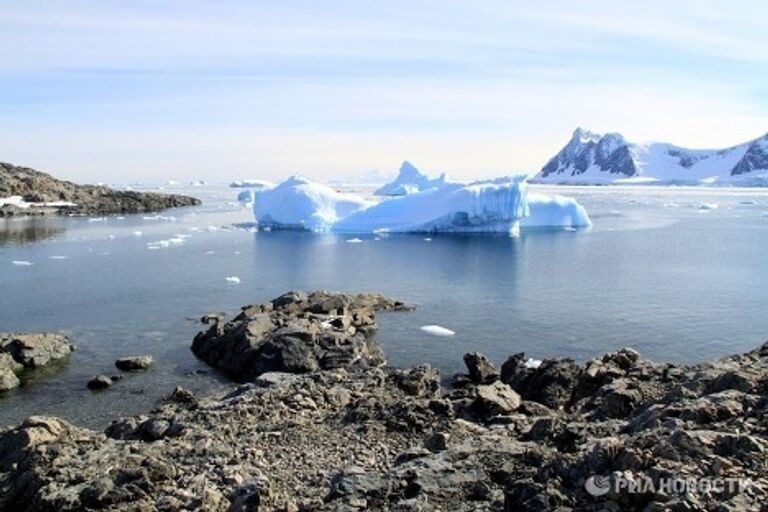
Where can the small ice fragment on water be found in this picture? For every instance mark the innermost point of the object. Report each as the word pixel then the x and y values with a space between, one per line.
pixel 210 252
pixel 212 228
pixel 708 206
pixel 58 257
pixel 354 241
pixel 427 239
pixel 96 219
pixel 532 363
pixel 233 279
pixel 22 263
pixel 120 218
pixel 237 252
pixel 137 233
pixel 111 237
pixel 437 330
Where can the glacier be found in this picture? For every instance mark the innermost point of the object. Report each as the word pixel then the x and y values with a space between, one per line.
pixel 502 205
pixel 410 180
pixel 590 158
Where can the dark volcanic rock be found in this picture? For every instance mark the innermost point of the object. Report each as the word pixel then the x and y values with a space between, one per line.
pixel 38 187
pixel 296 333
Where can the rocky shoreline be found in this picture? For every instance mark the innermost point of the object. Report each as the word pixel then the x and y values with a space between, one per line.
pixel 322 423
pixel 46 195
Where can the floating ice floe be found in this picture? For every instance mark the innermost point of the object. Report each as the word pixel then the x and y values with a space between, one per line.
pixel 137 233
pixel 22 263
pixel 708 206
pixel 251 184
pixel 232 279
pixel 437 330
pixel 58 257
pixel 502 205
pixel 354 241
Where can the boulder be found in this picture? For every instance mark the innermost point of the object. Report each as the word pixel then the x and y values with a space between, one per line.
pixel 99 382
pixel 295 333
pixel 480 369
pixel 495 399
pixel 33 350
pixel 8 379
pixel 134 363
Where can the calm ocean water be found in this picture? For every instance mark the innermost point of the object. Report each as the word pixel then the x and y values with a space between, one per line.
pixel 656 272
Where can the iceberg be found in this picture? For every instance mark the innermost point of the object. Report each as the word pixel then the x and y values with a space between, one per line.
pixel 410 180
pixel 494 206
pixel 245 197
pixel 299 203
pixel 251 184
pixel 502 205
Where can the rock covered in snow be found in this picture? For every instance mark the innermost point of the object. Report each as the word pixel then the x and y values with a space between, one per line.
pixel 408 181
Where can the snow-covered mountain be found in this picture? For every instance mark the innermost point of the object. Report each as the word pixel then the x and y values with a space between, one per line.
pixel 409 180
pixel 590 158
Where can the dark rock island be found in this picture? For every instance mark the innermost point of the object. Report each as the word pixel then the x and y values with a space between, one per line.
pixel 324 424
pixel 46 194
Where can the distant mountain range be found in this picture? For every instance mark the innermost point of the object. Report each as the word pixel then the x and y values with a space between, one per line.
pixel 590 158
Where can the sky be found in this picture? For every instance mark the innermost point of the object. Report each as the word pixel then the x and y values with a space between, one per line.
pixel 150 90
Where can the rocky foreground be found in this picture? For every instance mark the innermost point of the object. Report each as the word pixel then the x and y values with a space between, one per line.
pixel 42 190
pixel 324 424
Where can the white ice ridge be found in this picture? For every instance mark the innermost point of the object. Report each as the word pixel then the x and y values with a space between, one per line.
pixel 503 205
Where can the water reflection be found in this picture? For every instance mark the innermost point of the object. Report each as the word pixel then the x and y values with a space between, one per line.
pixel 29 229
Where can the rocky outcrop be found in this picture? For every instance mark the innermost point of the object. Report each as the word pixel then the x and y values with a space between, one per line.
pixel 616 433
pixel 134 363
pixel 296 333
pixel 29 351
pixel 39 188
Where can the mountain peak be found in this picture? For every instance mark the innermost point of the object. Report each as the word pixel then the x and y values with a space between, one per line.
pixel 582 135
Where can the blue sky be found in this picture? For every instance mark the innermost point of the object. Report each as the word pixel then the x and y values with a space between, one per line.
pixel 154 90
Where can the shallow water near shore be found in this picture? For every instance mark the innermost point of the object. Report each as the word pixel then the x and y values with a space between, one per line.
pixel 662 270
